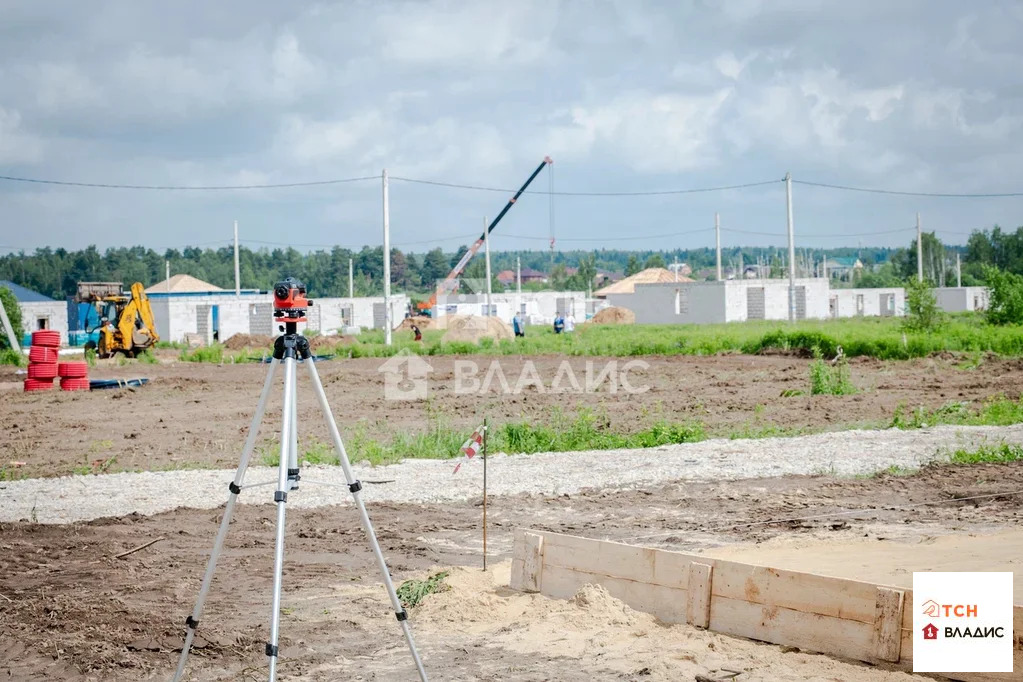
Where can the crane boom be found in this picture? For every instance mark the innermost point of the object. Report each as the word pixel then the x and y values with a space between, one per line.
pixel 450 283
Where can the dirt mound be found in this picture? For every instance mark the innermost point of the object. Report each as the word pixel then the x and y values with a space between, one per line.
pixel 614 315
pixel 471 328
pixel 423 323
pixel 321 342
pixel 598 603
pixel 243 341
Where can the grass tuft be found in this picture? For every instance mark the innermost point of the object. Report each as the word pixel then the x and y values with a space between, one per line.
pixel 412 592
pixel 988 454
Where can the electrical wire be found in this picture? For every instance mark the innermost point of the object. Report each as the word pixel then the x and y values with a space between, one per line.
pixel 844 512
pixel 588 194
pixel 613 239
pixel 108 185
pixel 945 195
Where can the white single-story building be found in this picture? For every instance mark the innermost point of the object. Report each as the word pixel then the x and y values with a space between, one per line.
pixel 332 315
pixel 538 307
pixel 38 311
pixel 962 299
pixel 886 302
pixel 727 301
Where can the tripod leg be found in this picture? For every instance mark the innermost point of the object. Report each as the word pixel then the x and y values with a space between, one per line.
pixel 293 472
pixel 355 486
pixel 211 565
pixel 281 498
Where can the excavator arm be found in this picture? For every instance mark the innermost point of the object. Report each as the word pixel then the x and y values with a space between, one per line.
pixel 136 324
pixel 450 283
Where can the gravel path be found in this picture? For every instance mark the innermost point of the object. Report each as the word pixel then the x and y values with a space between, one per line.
pixel 80 498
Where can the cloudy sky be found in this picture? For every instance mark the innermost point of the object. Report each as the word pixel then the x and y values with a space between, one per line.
pixel 625 95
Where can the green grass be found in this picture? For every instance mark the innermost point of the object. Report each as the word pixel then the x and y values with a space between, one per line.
pixel 9 356
pixel 147 358
pixel 988 454
pixel 882 338
pixel 879 337
pixel 412 592
pixel 996 411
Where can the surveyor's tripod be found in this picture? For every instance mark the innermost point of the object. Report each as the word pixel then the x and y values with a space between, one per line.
pixel 289 349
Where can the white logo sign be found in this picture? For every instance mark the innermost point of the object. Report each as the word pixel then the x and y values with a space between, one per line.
pixel 405 376
pixel 962 622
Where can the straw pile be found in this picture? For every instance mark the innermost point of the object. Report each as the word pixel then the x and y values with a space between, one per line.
pixel 472 328
pixel 614 315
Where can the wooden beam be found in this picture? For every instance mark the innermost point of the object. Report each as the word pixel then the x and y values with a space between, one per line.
pixel 888 624
pixel 527 562
pixel 699 594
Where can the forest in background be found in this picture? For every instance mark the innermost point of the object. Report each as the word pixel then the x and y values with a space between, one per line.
pixel 56 272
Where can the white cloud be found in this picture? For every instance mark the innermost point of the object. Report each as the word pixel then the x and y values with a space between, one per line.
pixel 17 146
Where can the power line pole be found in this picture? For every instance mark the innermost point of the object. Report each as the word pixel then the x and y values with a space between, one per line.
pixel 387 264
pixel 351 278
pixel 717 239
pixel 237 279
pixel 959 271
pixel 792 249
pixel 919 251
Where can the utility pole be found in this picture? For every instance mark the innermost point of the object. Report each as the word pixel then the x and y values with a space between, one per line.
pixel 919 251
pixel 518 284
pixel 387 263
pixel 166 282
pixel 676 268
pixel 351 278
pixel 237 279
pixel 959 271
pixel 717 239
pixel 486 253
pixel 792 249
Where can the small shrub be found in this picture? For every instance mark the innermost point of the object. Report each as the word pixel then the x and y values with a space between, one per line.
pixel 9 356
pixel 214 353
pixel 148 358
pixel 90 357
pixel 412 592
pixel 922 311
pixel 1006 304
pixel 830 379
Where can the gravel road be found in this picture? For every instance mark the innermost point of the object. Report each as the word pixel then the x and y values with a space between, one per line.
pixel 844 453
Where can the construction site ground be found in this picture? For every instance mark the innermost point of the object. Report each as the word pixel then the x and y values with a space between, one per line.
pixel 71 609
pixel 195 415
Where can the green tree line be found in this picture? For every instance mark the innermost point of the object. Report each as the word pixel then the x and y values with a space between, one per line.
pixel 56 272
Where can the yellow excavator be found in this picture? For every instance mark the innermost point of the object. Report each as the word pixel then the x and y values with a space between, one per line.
pixel 126 323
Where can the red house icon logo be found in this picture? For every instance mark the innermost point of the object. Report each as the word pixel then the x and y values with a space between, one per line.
pixel 930 631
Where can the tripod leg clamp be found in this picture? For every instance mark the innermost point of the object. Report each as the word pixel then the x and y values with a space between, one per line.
pixel 192 623
pixel 271 650
pixel 401 615
pixel 280 496
pixel 355 487
pixel 234 488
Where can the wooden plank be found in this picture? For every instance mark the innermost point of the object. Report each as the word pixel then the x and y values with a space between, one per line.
pixel 527 565
pixel 888 624
pixel 642 564
pixel 806 592
pixel 665 603
pixel 778 625
pixel 698 594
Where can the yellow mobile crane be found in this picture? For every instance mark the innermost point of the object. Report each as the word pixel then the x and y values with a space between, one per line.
pixel 126 322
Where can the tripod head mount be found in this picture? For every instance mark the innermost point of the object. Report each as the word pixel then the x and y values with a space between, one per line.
pixel 290 304
pixel 292 345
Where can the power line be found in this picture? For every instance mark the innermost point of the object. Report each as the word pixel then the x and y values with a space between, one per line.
pixel 947 195
pixel 108 185
pixel 611 239
pixel 589 194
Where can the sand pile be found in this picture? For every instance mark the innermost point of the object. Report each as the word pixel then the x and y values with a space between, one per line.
pixel 472 328
pixel 243 341
pixel 614 315
pixel 423 323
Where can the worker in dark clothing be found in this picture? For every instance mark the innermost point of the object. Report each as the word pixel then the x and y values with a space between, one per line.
pixel 418 334
pixel 559 323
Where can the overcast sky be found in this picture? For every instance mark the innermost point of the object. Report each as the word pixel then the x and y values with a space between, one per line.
pixel 627 95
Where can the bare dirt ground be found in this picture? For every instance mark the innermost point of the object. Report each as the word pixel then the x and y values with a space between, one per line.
pixel 193 415
pixel 70 610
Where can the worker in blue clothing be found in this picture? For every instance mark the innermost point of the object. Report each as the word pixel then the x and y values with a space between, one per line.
pixel 559 323
pixel 520 328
